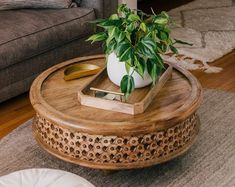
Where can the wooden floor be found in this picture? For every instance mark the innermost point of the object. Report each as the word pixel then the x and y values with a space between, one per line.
pixel 14 112
pixel 224 80
pixel 18 110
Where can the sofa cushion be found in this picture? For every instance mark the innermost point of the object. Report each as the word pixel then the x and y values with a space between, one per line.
pixel 26 33
pixel 13 4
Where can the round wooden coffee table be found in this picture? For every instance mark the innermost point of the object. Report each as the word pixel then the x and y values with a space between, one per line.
pixel 108 140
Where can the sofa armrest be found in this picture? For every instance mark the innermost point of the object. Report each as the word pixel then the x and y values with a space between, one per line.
pixel 103 8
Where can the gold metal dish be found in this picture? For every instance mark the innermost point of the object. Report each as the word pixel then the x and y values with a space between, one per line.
pixel 80 70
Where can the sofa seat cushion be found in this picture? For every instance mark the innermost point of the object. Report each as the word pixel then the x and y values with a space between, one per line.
pixel 27 33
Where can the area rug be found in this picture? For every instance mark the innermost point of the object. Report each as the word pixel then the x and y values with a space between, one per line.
pixel 210 162
pixel 210 26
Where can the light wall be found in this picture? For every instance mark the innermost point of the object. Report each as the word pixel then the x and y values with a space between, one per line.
pixel 131 3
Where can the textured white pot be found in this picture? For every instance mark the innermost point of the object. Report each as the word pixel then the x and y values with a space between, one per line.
pixel 116 70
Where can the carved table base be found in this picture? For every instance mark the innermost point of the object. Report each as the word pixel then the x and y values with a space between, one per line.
pixel 113 152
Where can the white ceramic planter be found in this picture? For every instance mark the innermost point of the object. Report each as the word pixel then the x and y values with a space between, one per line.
pixel 116 70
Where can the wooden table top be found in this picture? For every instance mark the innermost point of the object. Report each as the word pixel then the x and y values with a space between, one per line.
pixel 56 100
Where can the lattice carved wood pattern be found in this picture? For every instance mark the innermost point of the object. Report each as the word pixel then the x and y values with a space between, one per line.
pixel 113 149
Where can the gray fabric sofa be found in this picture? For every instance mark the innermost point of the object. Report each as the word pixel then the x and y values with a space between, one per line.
pixel 34 40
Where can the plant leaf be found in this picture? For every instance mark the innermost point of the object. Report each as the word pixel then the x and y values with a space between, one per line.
pixel 122 8
pixel 127 54
pixel 140 65
pixel 159 60
pixel 112 32
pixel 97 37
pixel 147 46
pixel 128 36
pixel 124 51
pixel 110 23
pixel 143 27
pixel 114 17
pixel 163 35
pixel 164 14
pixel 127 85
pixel 173 49
pixel 127 66
pixel 119 37
pixel 133 17
pixel 130 27
pixel 111 47
pixel 163 47
pixel 154 69
pixel 161 20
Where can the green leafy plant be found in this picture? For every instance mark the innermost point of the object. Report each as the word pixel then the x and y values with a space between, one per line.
pixel 138 40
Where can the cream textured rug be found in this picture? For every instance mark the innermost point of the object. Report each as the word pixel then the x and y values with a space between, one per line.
pixel 210 26
pixel 210 162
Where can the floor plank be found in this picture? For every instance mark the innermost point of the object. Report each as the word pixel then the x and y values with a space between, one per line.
pixel 225 80
pixel 14 112
pixel 18 110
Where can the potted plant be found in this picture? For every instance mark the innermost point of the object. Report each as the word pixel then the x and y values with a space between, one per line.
pixel 134 42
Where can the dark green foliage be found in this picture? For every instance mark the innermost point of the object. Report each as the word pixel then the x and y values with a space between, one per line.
pixel 138 40
pixel 127 85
